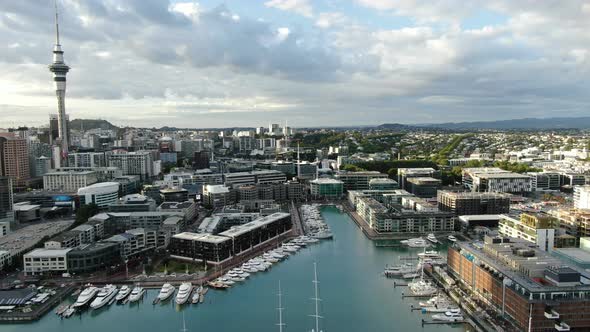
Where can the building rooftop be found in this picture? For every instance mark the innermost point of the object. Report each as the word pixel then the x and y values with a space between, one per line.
pixel 202 237
pixel 326 181
pixel 217 189
pixel 40 252
pixel 242 229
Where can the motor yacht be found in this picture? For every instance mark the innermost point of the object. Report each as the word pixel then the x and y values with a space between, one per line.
pixel 432 238
pixel 123 293
pixel 449 316
pixel 416 243
pixel 86 296
pixel 184 292
pixel 136 294
pixel 452 238
pixel 105 295
pixel 166 292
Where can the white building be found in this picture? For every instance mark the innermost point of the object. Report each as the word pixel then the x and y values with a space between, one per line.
pixel 582 197
pixel 134 163
pixel 69 181
pixel 102 194
pixel 482 179
pixel 40 261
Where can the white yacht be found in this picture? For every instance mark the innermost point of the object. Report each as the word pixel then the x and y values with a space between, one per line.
pixel 416 243
pixel 136 294
pixel 452 238
pixel 106 294
pixel 123 293
pixel 422 287
pixel 166 292
pixel 184 292
pixel 86 296
pixel 449 316
pixel 438 303
pixel 432 238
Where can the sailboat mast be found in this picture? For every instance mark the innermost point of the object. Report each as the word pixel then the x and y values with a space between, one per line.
pixel 280 309
pixel 316 298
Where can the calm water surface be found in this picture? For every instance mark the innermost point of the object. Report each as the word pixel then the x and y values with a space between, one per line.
pixel 355 297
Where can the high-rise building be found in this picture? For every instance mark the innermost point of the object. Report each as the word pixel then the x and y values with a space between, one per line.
pixel 582 197
pixel 54 128
pixel 6 199
pixel 59 69
pixel 201 160
pixel 14 159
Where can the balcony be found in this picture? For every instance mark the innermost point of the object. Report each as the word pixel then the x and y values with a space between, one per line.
pixel 551 314
pixel 562 326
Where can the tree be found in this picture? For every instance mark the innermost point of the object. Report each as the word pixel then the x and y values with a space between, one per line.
pixel 85 212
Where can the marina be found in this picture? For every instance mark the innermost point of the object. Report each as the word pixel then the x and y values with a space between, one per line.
pixel 252 304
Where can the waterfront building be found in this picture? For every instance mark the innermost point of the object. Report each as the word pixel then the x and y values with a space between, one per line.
pixel 326 188
pixel 102 194
pixel 92 257
pixel 386 197
pixel 68 181
pixel 383 184
pixel 286 167
pixel 396 219
pixel 237 240
pixel 43 261
pixel 14 160
pixel 473 203
pixel 492 179
pixel 582 197
pixel 403 174
pixel 358 180
pixel 536 291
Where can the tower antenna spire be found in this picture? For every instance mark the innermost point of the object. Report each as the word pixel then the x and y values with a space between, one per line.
pixel 56 24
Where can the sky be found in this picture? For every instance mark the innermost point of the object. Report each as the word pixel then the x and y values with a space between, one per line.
pixel 153 63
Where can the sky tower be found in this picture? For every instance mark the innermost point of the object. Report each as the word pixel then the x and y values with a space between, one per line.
pixel 59 70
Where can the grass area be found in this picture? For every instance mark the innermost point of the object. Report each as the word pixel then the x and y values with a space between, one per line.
pixel 174 266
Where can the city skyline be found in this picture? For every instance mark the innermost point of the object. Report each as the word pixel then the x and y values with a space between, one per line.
pixel 202 64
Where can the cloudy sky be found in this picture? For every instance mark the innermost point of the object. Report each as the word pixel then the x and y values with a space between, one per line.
pixel 309 62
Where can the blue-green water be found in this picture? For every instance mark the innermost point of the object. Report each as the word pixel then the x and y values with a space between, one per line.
pixel 355 297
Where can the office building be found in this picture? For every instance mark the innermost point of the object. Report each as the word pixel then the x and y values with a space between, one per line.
pixel 68 181
pixel 14 160
pixel 358 180
pixel 536 291
pixel 403 174
pixel 539 228
pixel 216 196
pixel 45 261
pixel 138 163
pixel 423 186
pixel 254 177
pixel 133 203
pixel 102 194
pixel 6 199
pixel 483 179
pixel 383 184
pixel 201 160
pixel 88 159
pixel 97 256
pixel 582 197
pixel 472 203
pixel 327 188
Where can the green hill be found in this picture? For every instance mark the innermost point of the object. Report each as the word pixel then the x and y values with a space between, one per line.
pixel 87 124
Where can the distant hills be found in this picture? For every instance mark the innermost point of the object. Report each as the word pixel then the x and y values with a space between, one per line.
pixel 87 124
pixel 527 123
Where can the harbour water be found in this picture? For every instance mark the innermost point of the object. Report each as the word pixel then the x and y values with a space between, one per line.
pixel 355 296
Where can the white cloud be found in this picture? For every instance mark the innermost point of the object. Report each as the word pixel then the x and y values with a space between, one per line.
pixel 328 20
pixel 301 7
